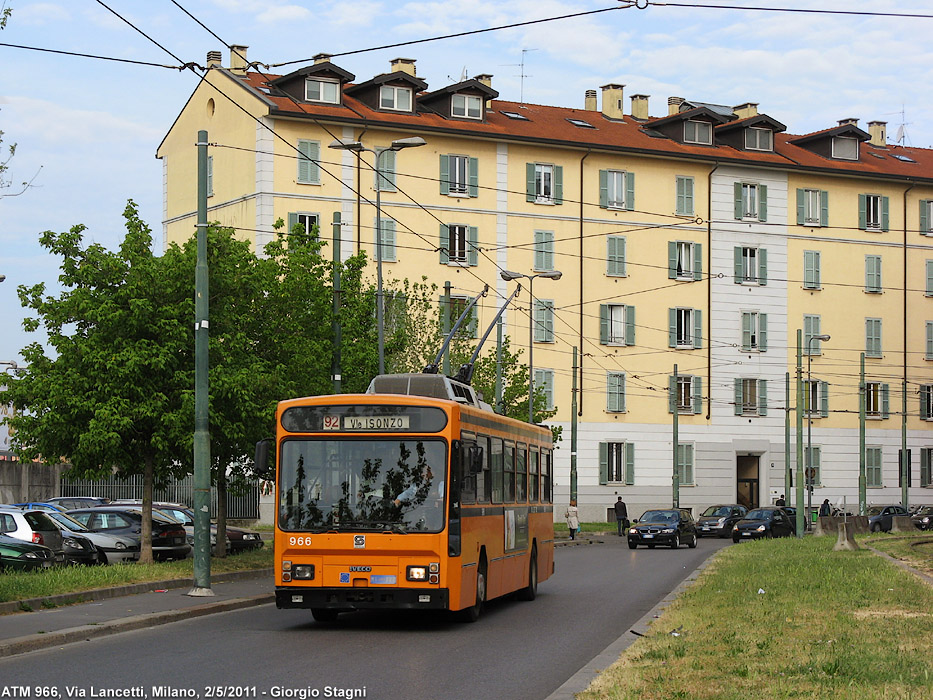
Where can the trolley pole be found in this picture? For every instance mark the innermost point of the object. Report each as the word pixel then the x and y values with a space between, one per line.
pixel 573 430
pixel 676 475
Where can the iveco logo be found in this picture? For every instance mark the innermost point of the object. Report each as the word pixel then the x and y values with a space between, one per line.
pixel 361 568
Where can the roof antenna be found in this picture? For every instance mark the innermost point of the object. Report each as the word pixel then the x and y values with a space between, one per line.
pixel 522 75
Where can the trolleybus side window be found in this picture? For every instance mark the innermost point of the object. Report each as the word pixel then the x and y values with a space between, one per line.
pixel 484 480
pixel 469 478
pixel 508 484
pixel 496 459
pixel 546 476
pixel 534 491
pixel 521 475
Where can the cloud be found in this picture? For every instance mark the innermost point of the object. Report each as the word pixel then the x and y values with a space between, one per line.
pixel 38 14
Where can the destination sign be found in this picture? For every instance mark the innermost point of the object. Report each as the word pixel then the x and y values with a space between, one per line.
pixel 375 422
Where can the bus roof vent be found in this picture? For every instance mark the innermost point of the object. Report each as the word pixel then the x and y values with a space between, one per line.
pixel 435 386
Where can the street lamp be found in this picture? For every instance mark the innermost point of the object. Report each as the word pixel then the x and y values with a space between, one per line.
pixel 508 275
pixel 357 147
pixel 809 472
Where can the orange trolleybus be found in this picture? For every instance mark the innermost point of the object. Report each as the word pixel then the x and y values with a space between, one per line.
pixel 415 495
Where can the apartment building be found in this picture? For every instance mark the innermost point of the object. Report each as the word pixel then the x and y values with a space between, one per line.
pixel 703 239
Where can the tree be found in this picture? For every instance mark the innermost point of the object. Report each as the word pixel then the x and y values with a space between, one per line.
pixel 5 182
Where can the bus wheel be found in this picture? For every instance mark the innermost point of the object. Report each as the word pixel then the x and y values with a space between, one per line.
pixel 324 614
pixel 472 613
pixel 530 592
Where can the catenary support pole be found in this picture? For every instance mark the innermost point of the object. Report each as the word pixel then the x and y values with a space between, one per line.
pixel 573 430
pixel 862 483
pixel 788 475
pixel 801 523
pixel 335 369
pixel 675 478
pixel 905 462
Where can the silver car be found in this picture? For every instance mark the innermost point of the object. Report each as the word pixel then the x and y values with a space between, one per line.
pixel 111 549
pixel 33 526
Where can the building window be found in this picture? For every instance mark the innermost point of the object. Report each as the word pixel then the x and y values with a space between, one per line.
pixel 757 139
pixel 811 269
pixel 815 399
pixel 811 328
pixel 686 396
pixel 617 463
pixel 615 256
pixel 615 392
pixel 698 132
pixel 926 217
pixel 317 90
pixel 458 244
pixel 877 397
pixel 544 251
pixel 684 260
pixel 925 477
pixel 754 331
pixel 388 240
pixel 685 463
pixel 751 201
pixel 812 459
pixel 544 321
pixel 685 328
pixel 616 324
pixel 684 187
pixel 459 176
pixel 873 212
pixel 812 207
pixel 873 467
pixel 873 274
pixel 845 147
pixel 872 337
pixel 544 183
pixel 395 98
pixel 309 172
pixel 466 106
pixel 310 224
pixel 616 189
pixel 456 305
pixel 751 397
pixel 926 401
pixel 751 265
pixel 544 380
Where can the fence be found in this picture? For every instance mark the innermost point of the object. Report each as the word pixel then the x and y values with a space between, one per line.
pixel 241 505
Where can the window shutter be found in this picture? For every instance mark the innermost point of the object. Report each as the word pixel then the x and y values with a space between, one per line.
pixel 684 196
pixel 763 266
pixel 444 244
pixel 603 324
pixel 697 386
pixel 472 246
pixel 630 190
pixel 672 328
pixel 885 400
pixel 924 405
pixel 697 328
pixel 473 175
pixel 801 207
pixel 762 202
pixel 292 222
pixel 613 386
pixel 672 259
pixel 824 399
pixel 604 189
pixel 929 288
pixel 388 240
pixel 540 253
pixel 308 169
pixel 671 394
pixel 739 396
pixel 762 332
pixel 762 397
pixel 629 463
pixel 615 256
pixel 737 264
pixel 603 462
pixel 387 183
pixel 929 353
pixel 885 215
pixel 738 200
pixel 824 208
pixel 629 325
pixel 558 184
pixel 445 174
pixel 862 212
pixel 697 261
pixel 925 466
pixel 529 182
pixel 924 217
pixel 746 331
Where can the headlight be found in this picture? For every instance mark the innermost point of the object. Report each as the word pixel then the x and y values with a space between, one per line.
pixel 303 571
pixel 721 522
pixel 28 555
pixel 417 573
pixel 925 520
pixel 633 531
pixel 668 531
pixel 761 528
pixel 250 536
pixel 120 545
pixel 72 542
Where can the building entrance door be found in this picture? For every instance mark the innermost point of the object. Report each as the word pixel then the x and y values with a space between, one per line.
pixel 747 477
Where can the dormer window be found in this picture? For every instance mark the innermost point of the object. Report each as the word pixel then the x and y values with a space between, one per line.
pixel 698 132
pixel 759 139
pixel 317 90
pixel 466 106
pixel 845 147
pixel 395 98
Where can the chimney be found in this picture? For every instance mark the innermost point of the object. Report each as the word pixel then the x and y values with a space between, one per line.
pixel 851 121
pixel 749 109
pixel 322 58
pixel 406 65
pixel 214 59
pixel 485 79
pixel 879 134
pixel 238 62
pixel 640 107
pixel 589 101
pixel 673 105
pixel 612 101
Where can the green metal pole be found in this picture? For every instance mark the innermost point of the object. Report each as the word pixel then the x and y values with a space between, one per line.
pixel 801 521
pixel 788 475
pixel 335 369
pixel 445 326
pixel 499 365
pixel 862 483
pixel 905 465
pixel 573 431
pixel 676 476
pixel 202 443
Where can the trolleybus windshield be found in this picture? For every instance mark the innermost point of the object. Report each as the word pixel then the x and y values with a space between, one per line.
pixel 353 484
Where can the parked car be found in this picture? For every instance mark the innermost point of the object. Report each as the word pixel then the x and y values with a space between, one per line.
pixel 881 517
pixel 169 540
pixel 719 519
pixel 923 517
pixel 670 527
pixel 18 555
pixel 111 549
pixel 40 505
pixel 766 521
pixel 792 516
pixel 78 549
pixel 71 502
pixel 32 526
pixel 238 538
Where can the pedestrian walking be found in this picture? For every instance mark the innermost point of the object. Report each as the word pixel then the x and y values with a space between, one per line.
pixel 780 502
pixel 621 515
pixel 573 520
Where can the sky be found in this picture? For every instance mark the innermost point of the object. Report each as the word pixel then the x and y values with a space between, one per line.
pixel 86 129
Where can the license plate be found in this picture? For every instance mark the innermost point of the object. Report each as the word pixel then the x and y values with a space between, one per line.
pixel 648 537
pixel 705 527
pixel 746 534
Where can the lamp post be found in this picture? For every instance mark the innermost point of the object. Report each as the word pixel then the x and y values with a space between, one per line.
pixel 508 275
pixel 357 147
pixel 809 472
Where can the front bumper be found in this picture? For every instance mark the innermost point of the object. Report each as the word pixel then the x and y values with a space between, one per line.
pixel 748 535
pixel 652 538
pixel 712 529
pixel 369 598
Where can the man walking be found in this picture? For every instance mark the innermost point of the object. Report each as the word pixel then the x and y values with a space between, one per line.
pixel 621 515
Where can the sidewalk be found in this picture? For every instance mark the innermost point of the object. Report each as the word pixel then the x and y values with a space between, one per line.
pixel 123 608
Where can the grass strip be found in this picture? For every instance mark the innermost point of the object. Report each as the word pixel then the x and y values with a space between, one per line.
pixel 784 618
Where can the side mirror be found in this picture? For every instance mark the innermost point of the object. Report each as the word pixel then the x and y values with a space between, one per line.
pixel 261 460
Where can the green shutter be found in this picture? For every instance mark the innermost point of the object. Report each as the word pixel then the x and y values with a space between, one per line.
pixel 613 390
pixel 697 261
pixel 924 408
pixel 604 189
pixel 885 213
pixel 603 324
pixel 629 325
pixel 672 328
pixel 738 201
pixel 739 396
pixel 697 328
pixel 473 173
pixel 603 462
pixel 824 208
pixel 762 202
pixel 885 400
pixel 737 264
pixel 684 196
pixel 929 286
pixel 529 182
pixel 746 331
pixel 308 168
pixel 763 266
pixel 444 244
pixel 472 246
pixel 762 397
pixel 762 332
pixel 801 206
pixel 863 212
pixel 445 174
pixel 615 256
pixel 292 222
pixel 697 385
pixel 824 399
pixel 388 240
pixel 558 184
pixel 672 259
pixel 629 463
pixel 924 218
pixel 629 190
pixel 540 254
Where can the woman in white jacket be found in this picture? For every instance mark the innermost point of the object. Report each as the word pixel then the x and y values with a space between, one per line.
pixel 573 521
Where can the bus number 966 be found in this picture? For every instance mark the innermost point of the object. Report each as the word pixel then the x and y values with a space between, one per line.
pixel 299 541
